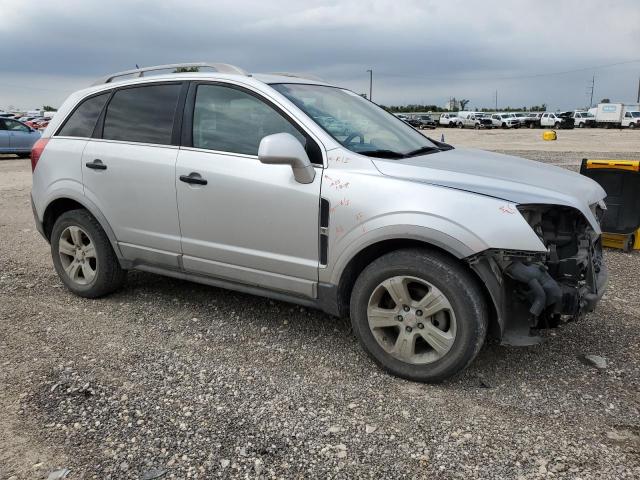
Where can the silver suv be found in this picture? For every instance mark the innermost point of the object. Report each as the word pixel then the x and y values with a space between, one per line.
pixel 294 189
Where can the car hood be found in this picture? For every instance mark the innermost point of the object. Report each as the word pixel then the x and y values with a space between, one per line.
pixel 513 179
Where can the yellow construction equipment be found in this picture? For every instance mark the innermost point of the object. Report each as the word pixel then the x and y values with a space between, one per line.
pixel 621 180
pixel 549 135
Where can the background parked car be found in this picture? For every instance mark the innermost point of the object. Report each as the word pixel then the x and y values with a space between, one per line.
pixel 449 119
pixel 557 120
pixel 41 123
pixel 16 137
pixel 414 122
pixel 504 120
pixel 531 120
pixel 473 120
pixel 583 119
pixel 422 121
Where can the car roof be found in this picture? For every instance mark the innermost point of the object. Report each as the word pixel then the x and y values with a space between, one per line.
pixel 257 79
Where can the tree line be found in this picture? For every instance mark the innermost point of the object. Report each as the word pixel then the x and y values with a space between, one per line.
pixel 412 107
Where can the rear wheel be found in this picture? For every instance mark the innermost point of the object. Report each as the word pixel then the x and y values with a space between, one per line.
pixel 419 314
pixel 460 125
pixel 83 257
pixel 556 125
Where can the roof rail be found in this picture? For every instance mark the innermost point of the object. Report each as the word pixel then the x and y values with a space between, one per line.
pixel 218 67
pixel 297 75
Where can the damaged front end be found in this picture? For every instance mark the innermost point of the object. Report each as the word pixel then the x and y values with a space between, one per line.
pixel 533 290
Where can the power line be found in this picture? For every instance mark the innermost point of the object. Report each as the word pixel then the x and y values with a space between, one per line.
pixel 447 76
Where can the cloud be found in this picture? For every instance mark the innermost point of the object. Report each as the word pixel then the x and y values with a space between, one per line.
pixel 420 51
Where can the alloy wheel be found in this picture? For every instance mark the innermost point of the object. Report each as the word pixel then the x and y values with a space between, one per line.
pixel 411 320
pixel 78 255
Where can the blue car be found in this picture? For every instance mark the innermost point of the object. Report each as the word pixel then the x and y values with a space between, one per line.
pixel 16 137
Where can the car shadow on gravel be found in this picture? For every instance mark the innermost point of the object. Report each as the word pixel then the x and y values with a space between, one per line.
pixel 556 358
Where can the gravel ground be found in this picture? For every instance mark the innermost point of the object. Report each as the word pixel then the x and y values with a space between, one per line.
pixel 169 379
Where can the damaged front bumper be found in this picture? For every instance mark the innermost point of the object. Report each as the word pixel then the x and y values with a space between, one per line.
pixel 532 290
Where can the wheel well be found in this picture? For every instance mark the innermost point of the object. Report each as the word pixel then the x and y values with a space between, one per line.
pixel 54 210
pixel 363 258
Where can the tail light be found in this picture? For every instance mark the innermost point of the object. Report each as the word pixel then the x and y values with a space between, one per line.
pixel 36 152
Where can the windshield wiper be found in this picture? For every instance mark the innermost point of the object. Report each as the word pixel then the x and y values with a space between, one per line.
pixel 381 153
pixel 425 149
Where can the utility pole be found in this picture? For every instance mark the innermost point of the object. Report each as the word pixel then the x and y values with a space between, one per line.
pixel 370 83
pixel 638 99
pixel 496 100
pixel 593 84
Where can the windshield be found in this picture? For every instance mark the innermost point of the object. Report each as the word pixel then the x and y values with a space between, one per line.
pixel 356 123
pixel 635 114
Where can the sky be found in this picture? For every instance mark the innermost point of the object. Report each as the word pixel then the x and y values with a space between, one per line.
pixel 420 51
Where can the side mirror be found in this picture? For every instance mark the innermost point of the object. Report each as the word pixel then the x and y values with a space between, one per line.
pixel 285 149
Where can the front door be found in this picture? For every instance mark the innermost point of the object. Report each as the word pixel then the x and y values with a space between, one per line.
pixel 4 137
pixel 129 173
pixel 250 223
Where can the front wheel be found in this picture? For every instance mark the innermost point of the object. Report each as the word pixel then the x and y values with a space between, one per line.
pixel 556 125
pixel 419 314
pixel 83 257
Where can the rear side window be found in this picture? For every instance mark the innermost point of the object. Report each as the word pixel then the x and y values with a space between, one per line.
pixel 142 114
pixel 83 120
pixel 230 120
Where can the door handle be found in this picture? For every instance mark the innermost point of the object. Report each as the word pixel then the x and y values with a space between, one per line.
pixel 193 178
pixel 96 165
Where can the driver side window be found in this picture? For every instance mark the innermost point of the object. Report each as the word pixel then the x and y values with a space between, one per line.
pixel 15 126
pixel 230 120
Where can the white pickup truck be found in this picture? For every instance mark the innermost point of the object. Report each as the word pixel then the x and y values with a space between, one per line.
pixel 473 120
pixel 449 119
pixel 583 119
pixel 557 120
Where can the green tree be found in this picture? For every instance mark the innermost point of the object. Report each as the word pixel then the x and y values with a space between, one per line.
pixel 463 103
pixel 49 108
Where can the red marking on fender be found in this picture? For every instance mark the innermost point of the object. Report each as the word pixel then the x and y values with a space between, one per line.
pixel 507 209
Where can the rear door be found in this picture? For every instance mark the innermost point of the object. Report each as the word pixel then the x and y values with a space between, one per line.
pixel 250 223
pixel 129 170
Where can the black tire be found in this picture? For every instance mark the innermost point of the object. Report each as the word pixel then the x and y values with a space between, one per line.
pixel 459 287
pixel 632 126
pixel 109 275
pixel 628 244
pixel 460 125
pixel 581 125
pixel 556 125
pixel 24 154
pixel 532 125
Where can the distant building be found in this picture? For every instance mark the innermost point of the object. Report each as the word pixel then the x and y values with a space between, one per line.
pixel 452 105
